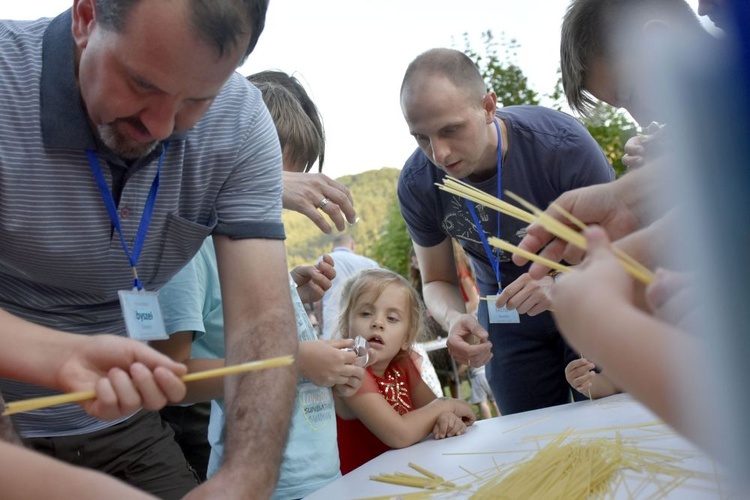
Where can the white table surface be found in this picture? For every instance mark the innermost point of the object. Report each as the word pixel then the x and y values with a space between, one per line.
pixel 505 440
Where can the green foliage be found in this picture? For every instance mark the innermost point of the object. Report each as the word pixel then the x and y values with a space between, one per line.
pixel 609 126
pixel 611 129
pixel 392 248
pixel 504 76
pixel 371 191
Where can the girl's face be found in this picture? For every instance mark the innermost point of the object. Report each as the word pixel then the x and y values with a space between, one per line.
pixel 383 322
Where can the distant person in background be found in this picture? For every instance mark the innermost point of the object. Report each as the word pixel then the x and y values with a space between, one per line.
pixel 313 318
pixel 467 282
pixel 481 393
pixel 347 262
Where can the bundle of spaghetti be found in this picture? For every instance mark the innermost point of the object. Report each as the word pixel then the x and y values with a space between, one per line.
pixel 562 231
pixel 552 225
pixel 469 192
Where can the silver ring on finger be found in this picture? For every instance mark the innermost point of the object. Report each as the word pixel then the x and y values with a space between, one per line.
pixel 323 203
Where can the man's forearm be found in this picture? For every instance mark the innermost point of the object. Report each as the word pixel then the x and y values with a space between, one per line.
pixel 259 405
pixel 40 364
pixel 444 301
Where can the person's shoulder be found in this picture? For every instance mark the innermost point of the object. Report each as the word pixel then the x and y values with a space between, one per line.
pixel 21 45
pixel 416 166
pixel 539 118
pixel 556 129
pixel 20 30
pixel 419 174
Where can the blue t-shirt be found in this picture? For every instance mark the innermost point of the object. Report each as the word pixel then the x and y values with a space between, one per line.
pixel 549 152
pixel 192 302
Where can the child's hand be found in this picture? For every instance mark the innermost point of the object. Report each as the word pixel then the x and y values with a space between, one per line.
pixel 448 425
pixel 313 281
pixel 353 383
pixel 323 363
pixel 461 409
pixel 580 374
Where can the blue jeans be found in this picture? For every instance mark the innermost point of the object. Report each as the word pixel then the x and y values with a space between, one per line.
pixel 527 370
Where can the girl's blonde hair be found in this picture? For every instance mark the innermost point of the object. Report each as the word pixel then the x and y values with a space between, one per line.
pixel 375 281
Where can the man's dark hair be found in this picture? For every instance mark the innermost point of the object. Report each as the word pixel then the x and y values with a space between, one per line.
pixel 588 31
pixel 453 64
pixel 220 22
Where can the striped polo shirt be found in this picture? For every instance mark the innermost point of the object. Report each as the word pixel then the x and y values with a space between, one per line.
pixel 61 264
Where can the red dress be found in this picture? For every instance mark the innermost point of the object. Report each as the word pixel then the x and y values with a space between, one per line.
pixel 357 445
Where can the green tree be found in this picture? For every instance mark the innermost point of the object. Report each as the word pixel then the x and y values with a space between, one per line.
pixel 609 126
pixel 503 76
pixel 392 248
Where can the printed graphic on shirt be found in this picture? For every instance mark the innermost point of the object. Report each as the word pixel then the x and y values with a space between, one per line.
pixel 317 405
pixel 458 223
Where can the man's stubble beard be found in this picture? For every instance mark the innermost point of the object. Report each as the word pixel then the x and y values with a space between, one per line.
pixel 123 148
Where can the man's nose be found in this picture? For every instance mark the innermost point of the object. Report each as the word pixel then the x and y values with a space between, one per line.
pixel 440 151
pixel 159 117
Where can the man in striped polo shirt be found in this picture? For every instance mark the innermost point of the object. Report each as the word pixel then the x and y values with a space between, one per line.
pixel 120 119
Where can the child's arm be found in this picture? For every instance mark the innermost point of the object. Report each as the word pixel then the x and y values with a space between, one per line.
pixel 400 431
pixel 178 347
pixel 581 375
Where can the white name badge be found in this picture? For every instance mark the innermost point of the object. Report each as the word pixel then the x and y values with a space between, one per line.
pixel 142 314
pixel 501 314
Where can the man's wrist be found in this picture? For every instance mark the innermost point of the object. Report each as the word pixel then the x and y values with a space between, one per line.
pixel 451 319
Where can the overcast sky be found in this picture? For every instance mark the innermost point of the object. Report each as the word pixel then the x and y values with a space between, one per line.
pixel 351 55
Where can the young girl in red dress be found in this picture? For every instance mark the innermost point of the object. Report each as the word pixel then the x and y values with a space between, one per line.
pixel 393 408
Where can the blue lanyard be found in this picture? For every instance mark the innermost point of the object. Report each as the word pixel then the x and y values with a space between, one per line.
pixel 495 262
pixel 148 210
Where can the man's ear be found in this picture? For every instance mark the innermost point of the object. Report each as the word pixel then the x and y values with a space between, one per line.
pixel 489 103
pixel 84 20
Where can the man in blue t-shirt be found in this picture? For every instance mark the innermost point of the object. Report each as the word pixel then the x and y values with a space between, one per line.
pixel 535 152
